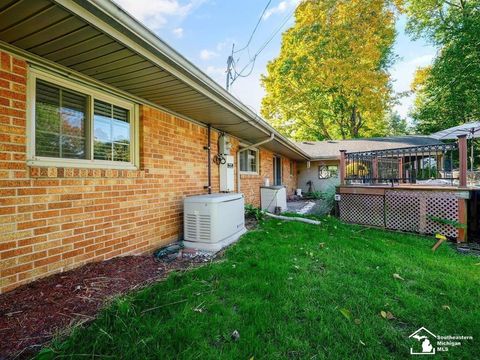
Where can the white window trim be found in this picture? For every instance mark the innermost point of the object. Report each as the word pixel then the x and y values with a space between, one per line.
pixel 257 159
pixel 33 160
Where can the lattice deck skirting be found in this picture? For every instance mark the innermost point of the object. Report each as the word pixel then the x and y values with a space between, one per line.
pixel 418 211
pixel 362 209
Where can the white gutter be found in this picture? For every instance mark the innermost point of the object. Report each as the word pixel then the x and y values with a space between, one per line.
pixel 272 136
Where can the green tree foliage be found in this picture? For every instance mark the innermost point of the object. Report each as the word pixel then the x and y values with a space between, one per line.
pixel 330 79
pixel 396 124
pixel 448 92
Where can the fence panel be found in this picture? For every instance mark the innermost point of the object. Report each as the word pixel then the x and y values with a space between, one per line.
pixel 352 209
pixel 402 211
pixel 413 210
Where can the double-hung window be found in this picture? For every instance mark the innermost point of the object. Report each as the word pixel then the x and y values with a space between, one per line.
pixel 73 125
pixel 249 161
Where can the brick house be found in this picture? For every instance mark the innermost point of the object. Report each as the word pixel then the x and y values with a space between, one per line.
pixel 102 134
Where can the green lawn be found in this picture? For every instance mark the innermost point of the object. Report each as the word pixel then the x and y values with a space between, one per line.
pixel 296 291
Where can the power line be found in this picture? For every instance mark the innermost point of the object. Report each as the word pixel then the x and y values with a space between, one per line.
pixel 230 60
pixel 231 63
pixel 254 29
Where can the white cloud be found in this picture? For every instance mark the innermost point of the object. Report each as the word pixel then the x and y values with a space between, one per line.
pixel 215 70
pixel 217 73
pixel 155 13
pixel 421 60
pixel 178 32
pixel 280 8
pixel 223 44
pixel 207 54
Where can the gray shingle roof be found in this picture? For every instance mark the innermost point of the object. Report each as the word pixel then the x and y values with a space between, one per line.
pixel 330 149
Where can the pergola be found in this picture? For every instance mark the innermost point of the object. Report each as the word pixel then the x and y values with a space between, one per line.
pixel 471 130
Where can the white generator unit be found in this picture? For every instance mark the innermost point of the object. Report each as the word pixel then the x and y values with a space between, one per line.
pixel 272 197
pixel 213 221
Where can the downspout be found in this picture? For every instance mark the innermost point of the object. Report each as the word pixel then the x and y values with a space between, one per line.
pixel 209 161
pixel 272 136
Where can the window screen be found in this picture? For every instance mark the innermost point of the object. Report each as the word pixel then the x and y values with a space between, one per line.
pixel 248 160
pixel 111 131
pixel 60 122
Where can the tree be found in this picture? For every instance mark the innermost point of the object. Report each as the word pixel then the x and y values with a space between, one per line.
pixel 396 124
pixel 330 79
pixel 448 91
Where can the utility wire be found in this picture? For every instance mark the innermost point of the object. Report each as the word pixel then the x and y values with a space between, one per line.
pixel 254 29
pixel 231 61
pixel 251 63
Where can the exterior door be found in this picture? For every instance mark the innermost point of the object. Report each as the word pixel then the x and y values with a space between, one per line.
pixel 277 170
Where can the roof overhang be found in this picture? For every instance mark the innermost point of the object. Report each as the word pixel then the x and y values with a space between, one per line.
pixel 100 41
pixel 325 158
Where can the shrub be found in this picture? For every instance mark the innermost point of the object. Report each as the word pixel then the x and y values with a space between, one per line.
pixel 314 195
pixel 329 198
pixel 254 212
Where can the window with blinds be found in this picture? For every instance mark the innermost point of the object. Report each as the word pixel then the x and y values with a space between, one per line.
pixel 112 132
pixel 59 122
pixel 70 124
pixel 249 160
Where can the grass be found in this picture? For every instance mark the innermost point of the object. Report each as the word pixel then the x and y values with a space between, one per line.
pixel 295 291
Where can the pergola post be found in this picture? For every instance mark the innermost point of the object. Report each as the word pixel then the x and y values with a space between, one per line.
pixel 400 170
pixel 463 166
pixel 342 166
pixel 463 160
pixel 375 169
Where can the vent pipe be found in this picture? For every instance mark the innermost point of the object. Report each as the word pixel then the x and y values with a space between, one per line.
pixel 209 160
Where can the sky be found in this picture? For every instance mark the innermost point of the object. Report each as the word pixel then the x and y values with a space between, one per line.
pixel 204 32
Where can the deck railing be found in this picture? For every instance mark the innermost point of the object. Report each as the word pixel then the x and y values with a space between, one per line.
pixel 441 164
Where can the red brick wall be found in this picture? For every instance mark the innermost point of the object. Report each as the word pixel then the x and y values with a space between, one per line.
pixel 53 219
pixel 250 184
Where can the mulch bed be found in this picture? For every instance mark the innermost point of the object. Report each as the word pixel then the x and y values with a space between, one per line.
pixel 34 313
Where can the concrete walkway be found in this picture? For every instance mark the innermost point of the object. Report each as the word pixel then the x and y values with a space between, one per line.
pixel 305 207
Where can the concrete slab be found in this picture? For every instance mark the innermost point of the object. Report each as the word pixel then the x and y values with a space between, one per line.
pixel 308 207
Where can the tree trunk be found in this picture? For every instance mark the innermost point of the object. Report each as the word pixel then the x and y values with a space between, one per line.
pixel 353 122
